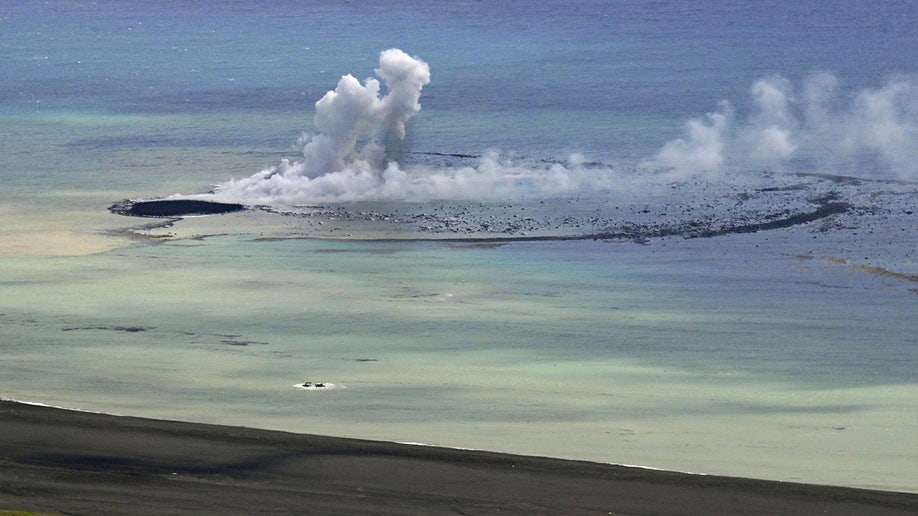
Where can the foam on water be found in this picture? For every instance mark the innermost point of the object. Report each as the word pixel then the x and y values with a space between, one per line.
pixel 39 404
pixel 317 386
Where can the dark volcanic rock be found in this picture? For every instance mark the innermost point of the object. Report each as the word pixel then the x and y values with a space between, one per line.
pixel 173 208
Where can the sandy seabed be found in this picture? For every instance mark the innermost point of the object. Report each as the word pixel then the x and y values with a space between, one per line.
pixel 67 462
pixel 60 461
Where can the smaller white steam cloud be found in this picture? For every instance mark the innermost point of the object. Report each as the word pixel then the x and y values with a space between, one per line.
pixel 876 134
pixel 702 149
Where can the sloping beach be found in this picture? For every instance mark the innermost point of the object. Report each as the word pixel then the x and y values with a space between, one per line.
pixel 67 462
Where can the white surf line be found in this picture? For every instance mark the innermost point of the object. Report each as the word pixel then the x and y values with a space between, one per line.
pixel 407 443
pixel 72 409
pixel 635 466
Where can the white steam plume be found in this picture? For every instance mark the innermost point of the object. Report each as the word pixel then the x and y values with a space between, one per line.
pixel 360 127
pixel 702 149
pixel 353 112
pixel 492 178
pixel 351 157
pixel 357 127
pixel 875 134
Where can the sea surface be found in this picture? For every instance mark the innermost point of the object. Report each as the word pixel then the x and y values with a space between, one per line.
pixel 783 350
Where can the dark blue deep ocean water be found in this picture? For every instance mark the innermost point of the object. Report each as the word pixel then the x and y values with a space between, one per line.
pixel 610 79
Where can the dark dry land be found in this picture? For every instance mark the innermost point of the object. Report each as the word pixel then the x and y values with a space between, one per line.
pixel 59 461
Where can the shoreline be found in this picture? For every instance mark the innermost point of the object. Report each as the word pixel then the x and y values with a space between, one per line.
pixel 58 460
pixel 862 222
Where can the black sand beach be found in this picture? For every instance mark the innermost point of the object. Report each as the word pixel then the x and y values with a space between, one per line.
pixel 66 462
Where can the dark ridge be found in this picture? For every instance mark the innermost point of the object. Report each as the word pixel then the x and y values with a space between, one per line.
pixel 173 208
pixel 639 233
pixel 448 154
pixel 241 343
pixel 826 210
pixel 126 329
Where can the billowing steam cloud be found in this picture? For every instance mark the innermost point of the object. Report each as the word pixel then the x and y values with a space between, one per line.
pixel 353 155
pixel 357 129
pixel 353 112
pixel 875 133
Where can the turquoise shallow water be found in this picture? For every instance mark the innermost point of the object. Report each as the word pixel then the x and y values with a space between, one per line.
pixel 679 356
pixel 728 355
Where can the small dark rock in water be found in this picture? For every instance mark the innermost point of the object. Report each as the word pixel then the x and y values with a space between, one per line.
pixel 173 208
pixel 130 329
pixel 311 385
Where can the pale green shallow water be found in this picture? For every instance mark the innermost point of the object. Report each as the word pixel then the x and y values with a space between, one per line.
pixel 686 355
